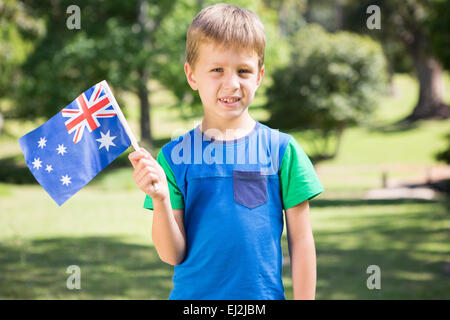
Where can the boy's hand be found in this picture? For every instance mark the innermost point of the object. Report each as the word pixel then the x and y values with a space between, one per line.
pixel 148 172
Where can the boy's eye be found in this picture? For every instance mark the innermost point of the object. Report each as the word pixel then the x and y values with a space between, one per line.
pixel 240 70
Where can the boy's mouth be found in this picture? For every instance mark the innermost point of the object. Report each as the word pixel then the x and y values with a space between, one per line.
pixel 229 101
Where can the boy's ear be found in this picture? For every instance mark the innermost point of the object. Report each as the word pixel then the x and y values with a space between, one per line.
pixel 190 76
pixel 260 76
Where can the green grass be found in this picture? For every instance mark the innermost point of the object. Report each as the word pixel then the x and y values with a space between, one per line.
pixel 105 231
pixel 408 240
pixel 373 147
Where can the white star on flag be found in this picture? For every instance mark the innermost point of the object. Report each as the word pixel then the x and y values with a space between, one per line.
pixel 37 163
pixel 106 141
pixel 48 168
pixel 65 180
pixel 42 142
pixel 61 149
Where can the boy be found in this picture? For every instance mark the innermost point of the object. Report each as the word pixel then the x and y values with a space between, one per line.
pixel 222 187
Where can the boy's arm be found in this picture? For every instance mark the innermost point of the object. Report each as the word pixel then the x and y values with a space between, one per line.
pixel 168 233
pixel 302 251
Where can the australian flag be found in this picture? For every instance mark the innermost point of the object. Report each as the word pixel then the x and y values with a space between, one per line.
pixel 71 148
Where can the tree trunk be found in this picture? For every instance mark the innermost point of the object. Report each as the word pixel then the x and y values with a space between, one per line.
pixel 339 132
pixel 390 72
pixel 143 92
pixel 429 73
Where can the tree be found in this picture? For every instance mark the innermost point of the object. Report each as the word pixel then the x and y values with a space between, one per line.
pixel 128 43
pixel 438 26
pixel 117 42
pixel 18 29
pixel 439 22
pixel 332 82
pixel 408 23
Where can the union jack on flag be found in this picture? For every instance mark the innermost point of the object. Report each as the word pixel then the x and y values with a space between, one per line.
pixel 84 112
pixel 62 156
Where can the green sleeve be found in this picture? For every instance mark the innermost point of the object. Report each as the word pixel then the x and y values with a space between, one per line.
pixel 298 179
pixel 176 198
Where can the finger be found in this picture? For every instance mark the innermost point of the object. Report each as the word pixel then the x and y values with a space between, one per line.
pixel 145 171
pixel 144 162
pixel 138 175
pixel 134 157
pixel 142 169
pixel 143 182
pixel 147 154
pixel 147 181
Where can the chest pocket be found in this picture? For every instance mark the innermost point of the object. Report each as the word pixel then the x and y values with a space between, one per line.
pixel 249 188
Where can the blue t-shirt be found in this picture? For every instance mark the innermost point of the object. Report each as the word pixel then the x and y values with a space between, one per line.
pixel 233 194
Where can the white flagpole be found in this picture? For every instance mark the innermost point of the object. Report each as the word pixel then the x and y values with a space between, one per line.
pixel 124 122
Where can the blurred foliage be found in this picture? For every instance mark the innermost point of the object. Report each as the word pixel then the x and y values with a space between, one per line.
pixel 402 25
pixel 117 44
pixel 333 81
pixel 438 25
pixel 405 28
pixel 399 21
pixel 290 15
pixel 355 17
pixel 110 45
pixel 18 30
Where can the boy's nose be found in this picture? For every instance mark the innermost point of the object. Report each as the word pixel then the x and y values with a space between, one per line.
pixel 231 82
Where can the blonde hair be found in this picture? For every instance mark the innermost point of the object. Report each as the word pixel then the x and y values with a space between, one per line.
pixel 225 24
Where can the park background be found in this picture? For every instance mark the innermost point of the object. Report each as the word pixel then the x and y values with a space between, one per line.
pixel 367 99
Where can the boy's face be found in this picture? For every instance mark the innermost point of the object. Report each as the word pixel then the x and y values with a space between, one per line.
pixel 226 79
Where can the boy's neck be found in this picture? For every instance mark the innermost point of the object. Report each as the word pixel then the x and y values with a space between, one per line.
pixel 227 130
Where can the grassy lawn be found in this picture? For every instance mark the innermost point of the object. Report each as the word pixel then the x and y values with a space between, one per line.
pixel 106 233
pixel 104 230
